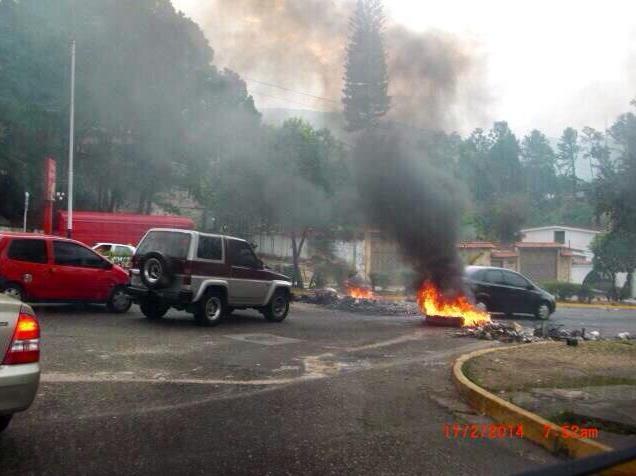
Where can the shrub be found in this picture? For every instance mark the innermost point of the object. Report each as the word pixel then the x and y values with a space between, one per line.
pixel 566 291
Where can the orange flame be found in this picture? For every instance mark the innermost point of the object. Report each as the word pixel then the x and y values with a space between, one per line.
pixel 433 303
pixel 360 293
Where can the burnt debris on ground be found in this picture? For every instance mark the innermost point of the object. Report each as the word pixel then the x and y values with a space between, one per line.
pixel 330 298
pixel 500 330
pixel 514 332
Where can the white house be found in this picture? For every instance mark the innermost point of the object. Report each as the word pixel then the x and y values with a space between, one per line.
pixel 579 240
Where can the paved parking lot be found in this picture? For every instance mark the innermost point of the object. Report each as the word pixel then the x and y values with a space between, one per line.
pixel 323 392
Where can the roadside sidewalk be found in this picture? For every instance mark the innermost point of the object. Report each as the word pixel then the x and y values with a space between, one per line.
pixel 589 389
pixel 597 305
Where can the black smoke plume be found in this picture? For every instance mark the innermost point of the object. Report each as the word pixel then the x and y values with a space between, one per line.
pixel 414 204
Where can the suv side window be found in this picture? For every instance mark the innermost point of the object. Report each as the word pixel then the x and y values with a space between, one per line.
pixel 241 254
pixel 70 254
pixel 494 276
pixel 210 247
pixel 515 280
pixel 33 251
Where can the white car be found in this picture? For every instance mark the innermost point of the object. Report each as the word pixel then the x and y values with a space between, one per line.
pixel 115 249
pixel 19 357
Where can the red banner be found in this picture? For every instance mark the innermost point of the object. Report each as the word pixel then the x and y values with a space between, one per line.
pixel 49 179
pixel 49 194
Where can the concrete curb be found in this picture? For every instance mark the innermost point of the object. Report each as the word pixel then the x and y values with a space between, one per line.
pixel 605 307
pixel 558 440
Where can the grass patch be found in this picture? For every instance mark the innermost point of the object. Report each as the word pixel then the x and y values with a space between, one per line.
pixel 555 365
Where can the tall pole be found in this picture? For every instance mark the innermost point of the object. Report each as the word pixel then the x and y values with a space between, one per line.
pixel 26 211
pixel 71 145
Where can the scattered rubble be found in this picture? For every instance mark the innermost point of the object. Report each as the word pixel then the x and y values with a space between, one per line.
pixel 501 331
pixel 330 298
pixel 514 332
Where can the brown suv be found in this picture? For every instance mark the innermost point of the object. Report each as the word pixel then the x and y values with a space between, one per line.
pixel 207 275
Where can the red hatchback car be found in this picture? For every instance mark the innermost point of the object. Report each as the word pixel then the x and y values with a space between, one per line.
pixel 43 268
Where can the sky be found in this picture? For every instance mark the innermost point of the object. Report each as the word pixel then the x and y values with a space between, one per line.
pixel 544 64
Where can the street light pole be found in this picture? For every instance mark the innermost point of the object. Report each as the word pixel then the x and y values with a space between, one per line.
pixel 26 211
pixel 71 145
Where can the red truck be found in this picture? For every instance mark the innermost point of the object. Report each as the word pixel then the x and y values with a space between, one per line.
pixel 126 228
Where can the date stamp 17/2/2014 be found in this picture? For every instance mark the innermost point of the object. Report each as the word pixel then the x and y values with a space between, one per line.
pixel 489 431
pixel 493 431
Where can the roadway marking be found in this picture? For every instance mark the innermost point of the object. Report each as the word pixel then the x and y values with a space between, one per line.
pixel 264 339
pixel 315 369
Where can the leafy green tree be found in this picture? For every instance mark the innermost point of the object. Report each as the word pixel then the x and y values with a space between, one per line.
pixel 473 167
pixel 617 193
pixel 567 155
pixel 613 253
pixel 152 112
pixel 538 160
pixel 365 94
pixel 503 160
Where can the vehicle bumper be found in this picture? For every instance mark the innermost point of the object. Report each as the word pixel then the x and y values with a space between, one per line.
pixel 18 386
pixel 181 297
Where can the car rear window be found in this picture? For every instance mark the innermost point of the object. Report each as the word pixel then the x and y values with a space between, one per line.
pixel 515 280
pixel 474 273
pixel 33 251
pixel 168 243
pixel 494 276
pixel 122 251
pixel 210 247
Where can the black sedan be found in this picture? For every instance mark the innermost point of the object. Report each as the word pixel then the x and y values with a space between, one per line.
pixel 502 291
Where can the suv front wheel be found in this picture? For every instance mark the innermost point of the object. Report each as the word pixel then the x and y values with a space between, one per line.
pixel 278 307
pixel 210 309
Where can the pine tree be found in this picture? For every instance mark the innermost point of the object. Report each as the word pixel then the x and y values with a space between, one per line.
pixel 365 94
pixel 567 156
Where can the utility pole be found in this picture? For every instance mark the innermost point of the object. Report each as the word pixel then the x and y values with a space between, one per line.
pixel 26 211
pixel 71 145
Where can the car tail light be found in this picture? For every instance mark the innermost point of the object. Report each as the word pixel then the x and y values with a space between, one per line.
pixel 25 345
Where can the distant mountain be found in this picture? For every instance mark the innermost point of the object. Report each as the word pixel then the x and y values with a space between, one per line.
pixel 333 121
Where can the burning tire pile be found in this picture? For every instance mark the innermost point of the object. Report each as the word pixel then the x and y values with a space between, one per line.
pixel 456 312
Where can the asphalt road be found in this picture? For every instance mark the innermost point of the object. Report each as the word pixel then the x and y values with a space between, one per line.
pixel 608 321
pixel 322 393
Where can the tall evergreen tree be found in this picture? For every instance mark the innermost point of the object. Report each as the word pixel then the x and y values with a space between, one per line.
pixel 568 152
pixel 503 159
pixel 365 93
pixel 538 160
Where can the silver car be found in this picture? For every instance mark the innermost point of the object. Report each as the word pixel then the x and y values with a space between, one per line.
pixel 20 356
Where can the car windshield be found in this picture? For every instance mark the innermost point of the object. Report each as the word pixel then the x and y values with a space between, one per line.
pixel 170 244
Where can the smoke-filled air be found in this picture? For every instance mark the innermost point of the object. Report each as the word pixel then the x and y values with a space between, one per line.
pixel 435 76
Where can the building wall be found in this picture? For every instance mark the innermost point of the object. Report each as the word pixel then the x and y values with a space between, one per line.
pixel 475 256
pixel 564 269
pixel 352 253
pixel 579 272
pixel 577 239
pixel 507 263
pixel 381 256
pixel 539 264
pixel 278 246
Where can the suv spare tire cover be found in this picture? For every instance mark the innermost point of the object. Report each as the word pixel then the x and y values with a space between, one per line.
pixel 156 270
